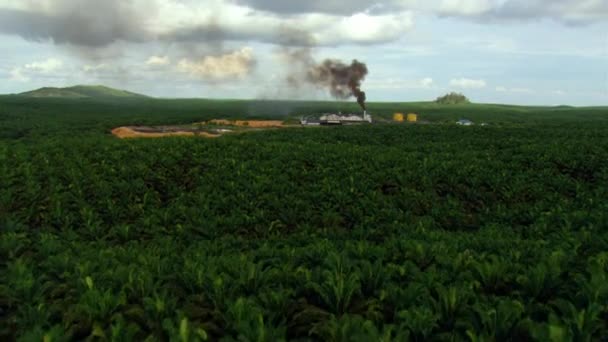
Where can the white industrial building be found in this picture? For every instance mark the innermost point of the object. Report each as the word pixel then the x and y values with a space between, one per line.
pixel 464 122
pixel 337 119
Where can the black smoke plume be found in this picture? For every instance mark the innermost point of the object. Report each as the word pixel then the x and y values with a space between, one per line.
pixel 342 80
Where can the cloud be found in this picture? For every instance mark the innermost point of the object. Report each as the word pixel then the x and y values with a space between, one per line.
pixel 309 29
pixel 560 10
pixel 24 73
pixel 95 24
pixel 391 83
pixel 426 82
pixel 310 6
pixel 567 11
pixel 367 29
pixel 158 61
pixel 96 67
pixel 466 83
pixel 107 70
pixel 45 67
pixel 90 23
pixel 465 7
pixel 570 11
pixel 235 65
pixel 502 89
pixel 17 75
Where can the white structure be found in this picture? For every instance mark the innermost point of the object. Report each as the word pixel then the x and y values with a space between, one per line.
pixel 464 122
pixel 337 119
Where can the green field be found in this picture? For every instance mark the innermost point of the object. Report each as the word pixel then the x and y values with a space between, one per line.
pixel 384 232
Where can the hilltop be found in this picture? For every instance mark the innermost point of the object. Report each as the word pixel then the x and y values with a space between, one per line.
pixel 82 91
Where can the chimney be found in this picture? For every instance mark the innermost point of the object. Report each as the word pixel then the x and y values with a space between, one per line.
pixel 367 117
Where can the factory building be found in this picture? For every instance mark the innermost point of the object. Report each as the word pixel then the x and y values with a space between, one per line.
pixel 337 119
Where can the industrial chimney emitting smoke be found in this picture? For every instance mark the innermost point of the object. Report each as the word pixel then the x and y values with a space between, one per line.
pixel 343 80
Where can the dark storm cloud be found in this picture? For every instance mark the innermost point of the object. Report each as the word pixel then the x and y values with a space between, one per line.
pixel 88 23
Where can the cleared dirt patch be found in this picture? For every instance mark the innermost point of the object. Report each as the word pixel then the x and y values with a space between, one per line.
pixel 249 123
pixel 149 132
pixel 209 129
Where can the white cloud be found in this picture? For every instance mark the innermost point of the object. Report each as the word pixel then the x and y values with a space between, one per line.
pixel 520 90
pixel 24 73
pixel 230 66
pixel 367 29
pixel 466 83
pixel 426 82
pixel 562 10
pixel 158 61
pixel 45 67
pixel 95 68
pixel 465 7
pixel 392 83
pixel 17 75
pixel 567 11
pixel 111 71
pixel 198 23
pixel 579 11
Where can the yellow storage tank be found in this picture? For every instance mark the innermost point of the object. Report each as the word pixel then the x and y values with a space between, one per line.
pixel 398 117
pixel 411 117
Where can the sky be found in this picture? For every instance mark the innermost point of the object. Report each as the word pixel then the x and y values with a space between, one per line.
pixel 532 52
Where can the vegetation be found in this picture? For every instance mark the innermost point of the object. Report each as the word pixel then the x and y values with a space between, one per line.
pixel 81 91
pixel 452 99
pixel 388 232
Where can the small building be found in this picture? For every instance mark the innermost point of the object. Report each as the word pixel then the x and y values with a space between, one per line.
pixel 464 122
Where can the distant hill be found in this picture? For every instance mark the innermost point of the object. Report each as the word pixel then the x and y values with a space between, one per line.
pixel 82 91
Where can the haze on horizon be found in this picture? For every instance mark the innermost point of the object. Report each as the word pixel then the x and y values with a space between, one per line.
pixel 501 51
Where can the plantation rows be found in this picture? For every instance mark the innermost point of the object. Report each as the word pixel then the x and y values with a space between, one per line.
pixel 370 233
pixel 32 119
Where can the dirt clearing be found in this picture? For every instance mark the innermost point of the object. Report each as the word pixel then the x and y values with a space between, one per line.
pixel 138 132
pixel 209 129
pixel 249 123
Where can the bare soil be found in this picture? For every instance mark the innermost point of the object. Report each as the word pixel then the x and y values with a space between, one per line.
pixel 249 123
pixel 170 131
pixel 151 132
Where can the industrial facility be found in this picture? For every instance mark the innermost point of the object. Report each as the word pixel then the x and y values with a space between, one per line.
pixel 464 122
pixel 337 119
